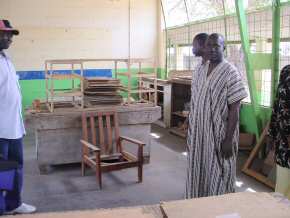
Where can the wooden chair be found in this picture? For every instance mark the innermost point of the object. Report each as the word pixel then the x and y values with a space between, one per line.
pixel 101 155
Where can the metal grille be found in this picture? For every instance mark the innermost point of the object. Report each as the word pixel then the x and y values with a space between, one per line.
pixel 260 33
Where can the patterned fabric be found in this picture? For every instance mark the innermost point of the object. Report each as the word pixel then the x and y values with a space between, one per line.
pixel 280 121
pixel 208 172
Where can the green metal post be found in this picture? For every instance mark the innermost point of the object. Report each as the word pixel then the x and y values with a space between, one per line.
pixel 225 26
pixel 247 55
pixel 275 48
pixel 166 39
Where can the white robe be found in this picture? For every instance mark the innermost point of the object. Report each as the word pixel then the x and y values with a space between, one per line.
pixel 208 172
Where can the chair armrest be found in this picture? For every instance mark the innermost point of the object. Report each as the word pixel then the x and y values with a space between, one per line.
pixel 89 145
pixel 134 141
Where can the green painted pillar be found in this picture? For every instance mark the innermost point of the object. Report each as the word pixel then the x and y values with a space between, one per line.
pixel 247 58
pixel 275 48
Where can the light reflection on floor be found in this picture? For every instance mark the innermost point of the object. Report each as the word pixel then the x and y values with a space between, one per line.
pixel 243 183
pixel 155 135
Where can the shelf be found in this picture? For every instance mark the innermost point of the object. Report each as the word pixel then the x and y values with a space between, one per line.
pixel 180 114
pixel 178 132
pixel 139 75
pixel 65 94
pixel 64 76
pixel 139 90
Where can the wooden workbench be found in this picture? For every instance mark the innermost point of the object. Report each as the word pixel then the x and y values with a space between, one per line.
pixel 58 134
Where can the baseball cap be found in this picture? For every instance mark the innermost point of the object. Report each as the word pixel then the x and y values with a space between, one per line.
pixel 6 26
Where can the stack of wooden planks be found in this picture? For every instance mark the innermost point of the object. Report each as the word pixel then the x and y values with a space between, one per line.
pixel 102 91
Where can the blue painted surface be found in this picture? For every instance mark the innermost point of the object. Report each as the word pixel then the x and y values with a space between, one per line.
pixel 33 75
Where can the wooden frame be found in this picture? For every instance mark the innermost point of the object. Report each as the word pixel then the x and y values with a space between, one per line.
pixel 101 155
pixel 163 89
pixel 51 75
pixel 250 172
pixel 141 89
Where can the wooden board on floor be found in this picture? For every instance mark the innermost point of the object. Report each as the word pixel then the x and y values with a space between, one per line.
pixel 237 205
pixel 247 166
pixel 124 213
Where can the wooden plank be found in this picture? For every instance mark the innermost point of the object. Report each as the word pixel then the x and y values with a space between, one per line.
pixel 90 146
pixel 136 212
pixel 139 75
pixel 260 177
pixel 101 132
pixel 246 168
pixel 134 141
pixel 109 134
pixel 93 130
pixel 118 166
pixel 177 131
pixel 101 93
pixel 111 156
pixel 181 114
pixel 117 132
pixel 139 90
pixel 68 94
pixel 245 204
pixel 91 162
pixel 85 127
pixel 129 156
pixel 105 85
pixel 85 149
pixel 64 76
pixel 79 61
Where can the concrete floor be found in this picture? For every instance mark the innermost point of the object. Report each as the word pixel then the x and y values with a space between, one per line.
pixel 164 180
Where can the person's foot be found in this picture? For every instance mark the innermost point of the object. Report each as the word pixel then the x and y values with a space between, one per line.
pixel 22 209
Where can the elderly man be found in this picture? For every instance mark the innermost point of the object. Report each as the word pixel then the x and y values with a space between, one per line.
pixel 217 90
pixel 11 124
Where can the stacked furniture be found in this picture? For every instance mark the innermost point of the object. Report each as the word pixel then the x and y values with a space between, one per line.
pixel 102 91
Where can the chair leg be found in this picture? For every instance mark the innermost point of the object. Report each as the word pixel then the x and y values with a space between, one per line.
pixel 140 164
pixel 83 168
pixel 98 169
pixel 99 178
pixel 140 173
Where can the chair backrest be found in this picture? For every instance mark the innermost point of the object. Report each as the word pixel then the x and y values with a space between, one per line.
pixel 98 129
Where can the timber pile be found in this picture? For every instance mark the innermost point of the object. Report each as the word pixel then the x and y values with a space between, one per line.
pixel 102 91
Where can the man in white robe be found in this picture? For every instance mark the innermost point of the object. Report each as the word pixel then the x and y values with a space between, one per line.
pixel 217 89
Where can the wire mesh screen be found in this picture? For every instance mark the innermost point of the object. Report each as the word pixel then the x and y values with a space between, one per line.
pixel 285 37
pixel 260 34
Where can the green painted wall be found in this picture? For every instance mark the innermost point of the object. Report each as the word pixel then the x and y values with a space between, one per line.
pixel 247 119
pixel 161 73
pixel 35 89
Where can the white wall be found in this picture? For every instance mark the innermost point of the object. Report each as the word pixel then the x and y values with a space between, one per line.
pixel 62 29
